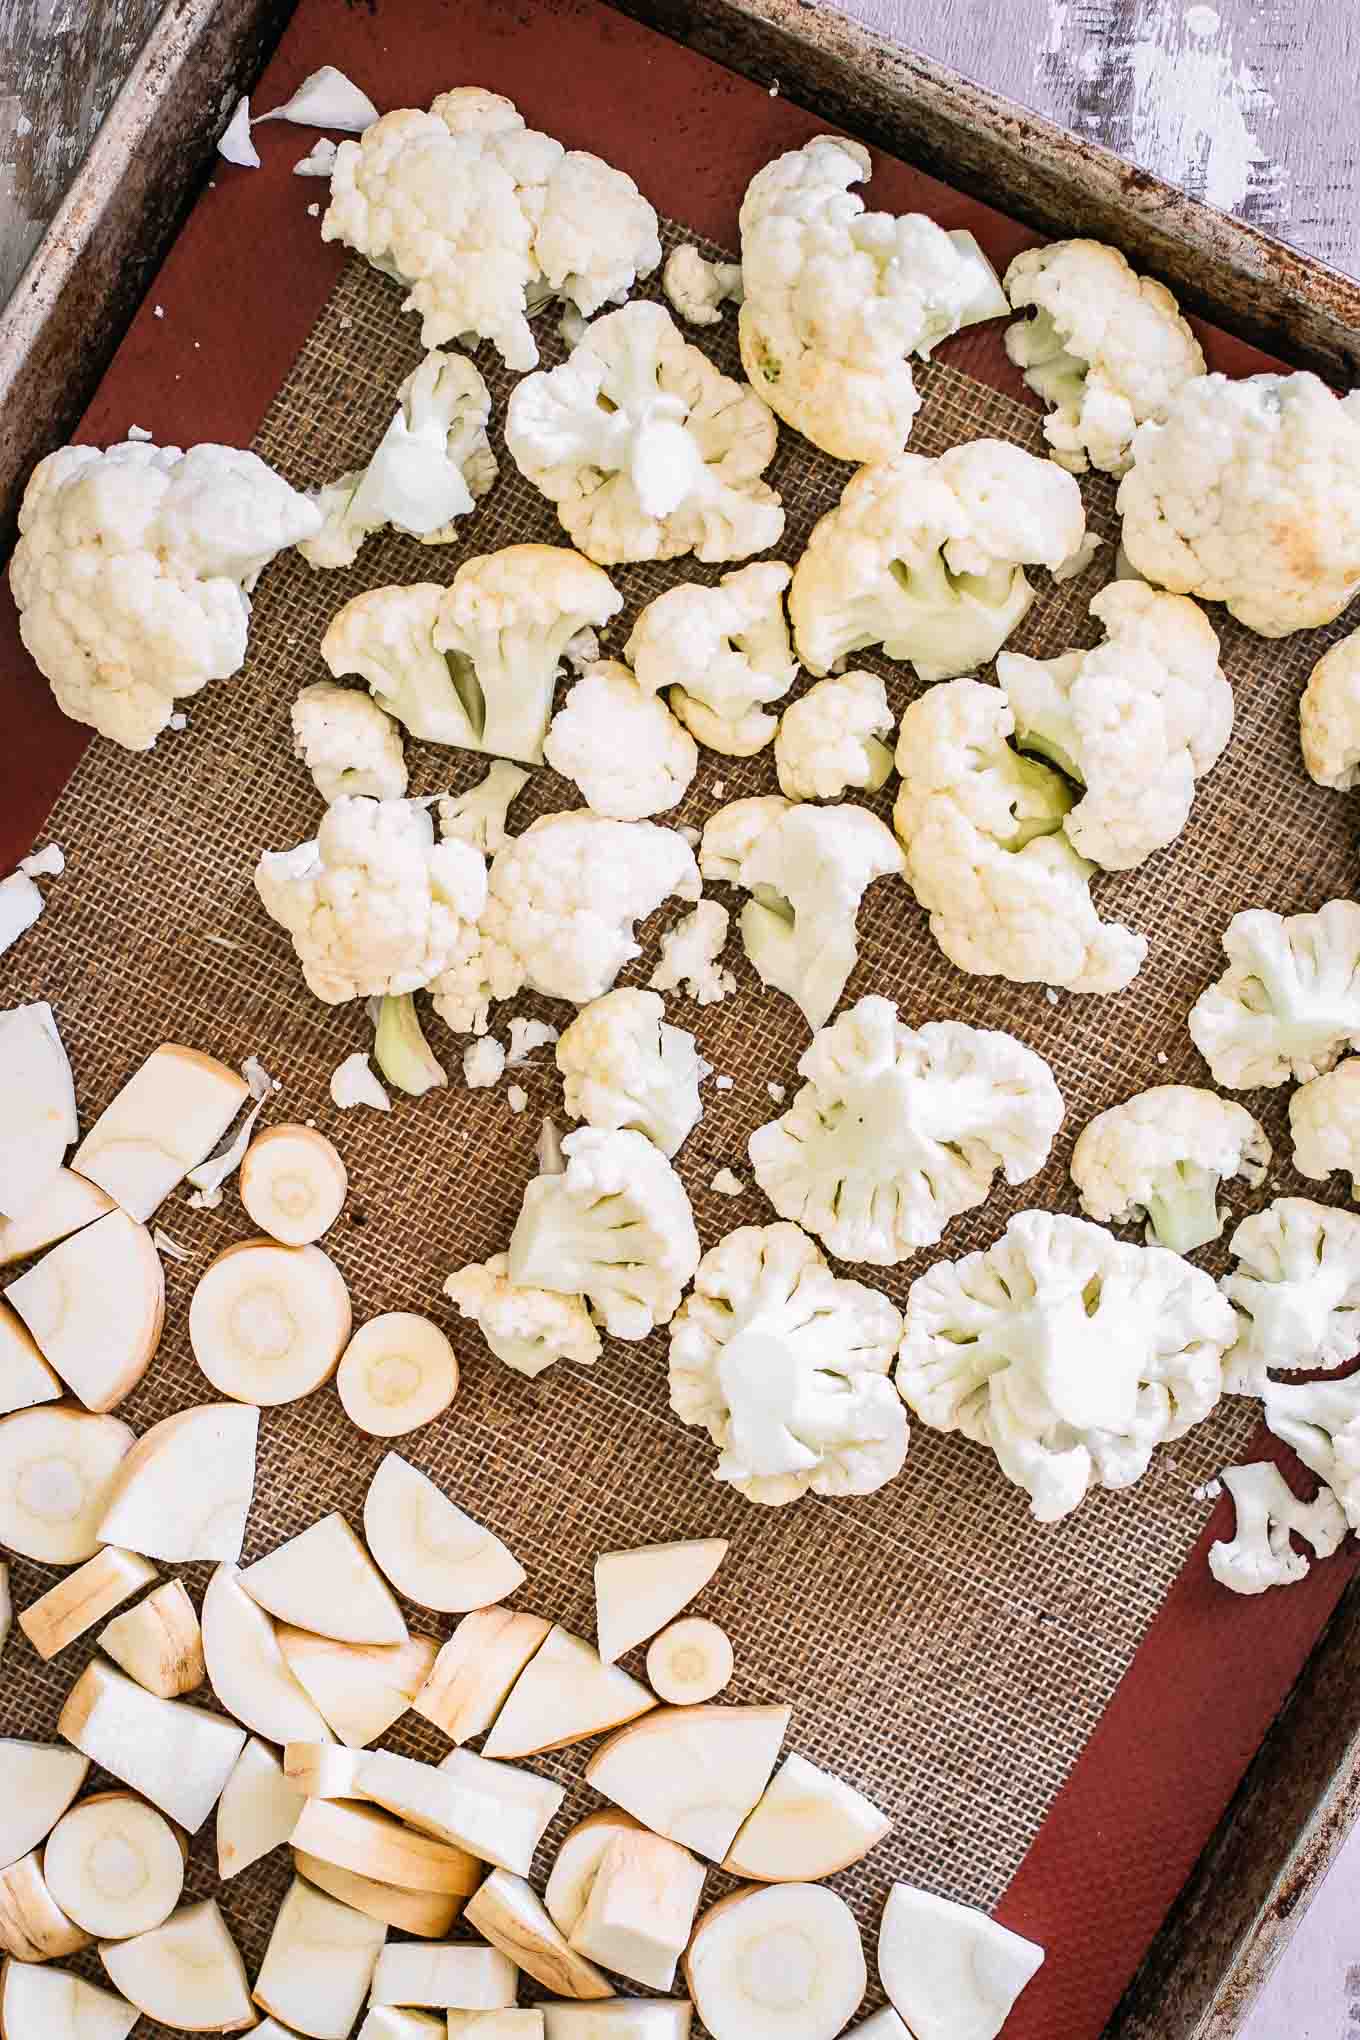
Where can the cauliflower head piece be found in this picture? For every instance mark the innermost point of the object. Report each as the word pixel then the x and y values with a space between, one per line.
pixel 1071 1354
pixel 926 557
pixel 1288 1003
pixel 1107 348
pixel 528 1330
pixel 1162 1156
pixel 1324 1124
pixel 896 1130
pixel 689 956
pixel 621 745
pixel 1296 1291
pixel 831 738
pixel 348 744
pixel 623 1065
pixel 698 289
pixel 133 570
pixel 786 1366
pixel 1259 1554
pixel 1321 1421
pixel 721 654
pixel 646 450
pixel 1329 716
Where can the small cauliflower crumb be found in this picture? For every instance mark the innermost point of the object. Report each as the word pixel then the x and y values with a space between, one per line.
pixel 726 1184
pixel 719 789
pixel 159 311
pixel 320 162
pixel 178 721
pixel 483 1063
pixel 1050 995
pixel 138 432
pixel 696 288
pixel 171 1249
pixel 1162 1057
pixel 778 1092
pixel 313 212
pixel 1207 1491
pixel 528 1035
pixel 723 1084
pixel 516 1098
pixel 353 1083
pixel 49 862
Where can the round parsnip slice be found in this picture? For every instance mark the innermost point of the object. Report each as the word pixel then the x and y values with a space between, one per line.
pixel 25 1377
pixel 690 1662
pixel 169 1115
pixel 324 1580
pixel 293 1184
pixel 37 1107
pixel 184 1490
pixel 50 2004
pixel 248 1671
pixel 432 1552
pixel 268 1323
pixel 57 1468
pixel 397 1373
pixel 186 1973
pixel 115 1865
pixel 33 1927
pixel 578 1861
pixel 806 1826
pixel 782 1961
pixel 96 1305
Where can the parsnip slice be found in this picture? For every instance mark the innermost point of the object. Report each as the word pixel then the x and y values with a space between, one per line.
pixel 319 1963
pixel 115 1865
pixel 882 2025
pixel 68 1203
pixel 293 1184
pixel 37 1107
pixel 373 1845
pixel 782 1961
pixel 159 1643
pixel 38 1781
pixel 391 2022
pixel 563 1695
pixel 427 1914
pixel 248 1671
pixel 806 1826
pixel 510 2024
pixel 460 1976
pixel 359 1689
pixel 33 1927
pixel 186 1973
pixel 169 1115
pixel 324 1580
pixel 493 1811
pixel 432 1552
pixel 476 1669
pixel 640 1910
pixel 95 1305
pixel 57 1471
pixel 690 1661
pixel 577 1862
pixel 83 1598
pixel 692 1774
pixel 258 1809
pixel 639 1592
pixel 177 1756
pixel 511 1916
pixel 6 1605
pixel 268 1323
pixel 620 2019
pixel 323 1770
pixel 951 1972
pixel 49 2004
pixel 397 1373
pixel 25 1377
pixel 185 1489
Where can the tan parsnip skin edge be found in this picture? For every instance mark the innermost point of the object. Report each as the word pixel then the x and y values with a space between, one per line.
pixel 428 1915
pixel 159 1643
pixel 33 1927
pixel 508 1913
pixel 362 1839
pixel 83 1598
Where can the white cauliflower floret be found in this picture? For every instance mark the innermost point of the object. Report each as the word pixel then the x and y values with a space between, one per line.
pixel 830 739
pixel 926 557
pixel 698 289
pixel 133 570
pixel 1296 1291
pixel 347 743
pixel 689 956
pixel 1321 1421
pixel 479 815
pixel 528 1329
pixel 1259 1554
pixel 621 745
pixel 1245 494
pixel 807 869
pixel 1162 1156
pixel 723 653
pixel 481 220
pixel 474 664
pixel 1329 716
pixel 614 1227
pixel 374 905
pixel 1288 1003
pixel 786 1366
pixel 483 1063
pixel 1107 348
pixel 1135 722
pixel 1324 1124
pixel 837 298
pixel 623 1065
pixel 645 448
pixel 1070 1353
pixel 1007 894
pixel 896 1130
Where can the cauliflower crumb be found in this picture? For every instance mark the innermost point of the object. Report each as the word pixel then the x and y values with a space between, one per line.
pixel 178 721
pixel 159 311
pixel 353 1083
pixel 49 862
pixel 321 160
pixel 726 1184
pixel 1207 1491
pixel 138 432
pixel 1161 1053
pixel 526 1036
pixel 483 1063
pixel 171 1249
pixel 313 212
pixel 698 289
pixel 1052 998
pixel 723 1084
pixel 779 1092
pixel 516 1098
pixel 719 789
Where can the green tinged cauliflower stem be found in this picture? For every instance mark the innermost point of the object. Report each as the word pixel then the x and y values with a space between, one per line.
pixel 1259 1555
pixel 1165 1153
pixel 1288 1003
pixel 1296 1291
pixel 401 1051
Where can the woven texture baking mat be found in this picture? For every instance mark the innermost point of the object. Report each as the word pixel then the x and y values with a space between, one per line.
pixel 941 1650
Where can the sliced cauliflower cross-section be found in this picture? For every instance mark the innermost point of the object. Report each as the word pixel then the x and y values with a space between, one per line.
pixel 831 739
pixel 896 1130
pixel 1329 716
pixel 1321 1421
pixel 348 744
pixel 1296 1291
pixel 621 745
pixel 723 653
pixel 1163 1155
pixel 1324 1124
pixel 527 1329
pixel 1288 1003
pixel 1259 1554
pixel 689 956
pixel 787 1368
pixel 623 1065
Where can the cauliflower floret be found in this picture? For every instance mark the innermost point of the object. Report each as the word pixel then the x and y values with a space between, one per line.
pixel 373 904
pixel 133 570
pixel 836 298
pixel 1135 722
pixel 645 448
pixel 897 1130
pixel 1324 1124
pixel 926 557
pixel 1107 348
pixel 483 1063
pixel 1162 1155
pixel 1070 1353
pixel 479 815
pixel 615 1227
pixel 1245 494
pixel 347 743
pixel 830 739
pixel 723 653
pixel 807 870
pixel 527 1329
pixel 623 1065
pixel 698 289
pixel 1321 1421
pixel 1259 1554
pixel 1329 716
pixel 1288 1003
pixel 689 956
pixel 1296 1291
pixel 785 1365
pixel 621 745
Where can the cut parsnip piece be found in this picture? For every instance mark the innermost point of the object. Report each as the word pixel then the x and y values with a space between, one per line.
pixel 563 1695
pixel 159 1643
pixel 373 1845
pixel 509 1913
pixel 884 2025
pixel 115 1865
pixel 6 1605
pixel 640 1911
pixel 806 1826
pixel 293 1184
pixel 397 1373
pixel 510 2024
pixel 83 1598
pixel 169 1115
pixel 690 1662
pixel 322 1770
pixel 781 1960
pixel 324 1580
pixel 33 1927
pixel 692 1774
pixel 186 1973
pixel 951 1972
pixel 185 1489
pixel 392 2022
pixel 460 1976
pixel 432 1552
pixel 428 1914
pixel 477 1668
pixel 177 1756
pixel 360 1689
pixel 25 1377
pixel 639 1592
pixel 38 1781
pixel 57 1471
pixel 48 2004
pixel 577 1862
pixel 268 1323
pixel 37 1107
pixel 319 1963
pixel 95 1306
pixel 493 1811
pixel 68 1203
pixel 620 2019
pixel 258 1809
pixel 248 1671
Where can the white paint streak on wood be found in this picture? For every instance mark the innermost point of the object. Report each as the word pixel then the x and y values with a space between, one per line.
pixel 1198 113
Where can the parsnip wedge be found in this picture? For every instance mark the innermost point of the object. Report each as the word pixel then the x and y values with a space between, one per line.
pixel 95 1306
pixel 493 1811
pixel 258 1809
pixel 324 1580
pixel 806 1826
pixel 427 1914
pixel 248 1671
pixel 640 1910
pixel 508 1912
pixel 432 1552
pixel 268 1323
pixel 359 1689
pixel 476 1669
pixel 37 1107
pixel 392 2022
pixel 38 1781
pixel 185 1489
pixel 293 1184
pixel 25 1377
pixel 33 1927
pixel 951 1972
pixel 57 1471
pixel 370 1843
pixel 639 1592
pixel 319 1963
pixel 459 1976
pixel 177 1756
pixel 563 1695
pixel 115 1865
pixel 83 1598
pixel 620 2019
pixel 692 1774
pixel 323 1770
pixel 169 1115
pixel 159 1643
pixel 780 1960
pixel 49 2004
pixel 577 1862
pixel 186 1973
pixel 397 1373
pixel 690 1661
pixel 883 2025
pixel 68 1203
pixel 510 2024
